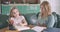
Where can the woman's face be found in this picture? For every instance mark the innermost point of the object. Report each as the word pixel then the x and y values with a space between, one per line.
pixel 43 10
pixel 15 12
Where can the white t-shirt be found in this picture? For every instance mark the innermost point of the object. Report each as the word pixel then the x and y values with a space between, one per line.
pixel 17 20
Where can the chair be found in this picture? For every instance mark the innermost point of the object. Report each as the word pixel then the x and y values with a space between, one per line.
pixel 3 21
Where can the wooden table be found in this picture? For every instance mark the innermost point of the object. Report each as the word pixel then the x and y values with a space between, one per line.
pixel 7 29
pixel 11 31
pixel 4 29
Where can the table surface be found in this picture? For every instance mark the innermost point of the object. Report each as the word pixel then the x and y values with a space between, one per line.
pixel 6 29
pixel 52 30
pixel 47 30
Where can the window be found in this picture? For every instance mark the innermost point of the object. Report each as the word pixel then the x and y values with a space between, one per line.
pixel 20 1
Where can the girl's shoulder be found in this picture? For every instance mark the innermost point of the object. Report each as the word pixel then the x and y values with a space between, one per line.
pixel 22 17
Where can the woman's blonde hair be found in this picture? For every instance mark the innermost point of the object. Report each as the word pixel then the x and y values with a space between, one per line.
pixel 47 8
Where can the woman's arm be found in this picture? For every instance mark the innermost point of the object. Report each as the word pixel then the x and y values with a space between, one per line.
pixel 51 22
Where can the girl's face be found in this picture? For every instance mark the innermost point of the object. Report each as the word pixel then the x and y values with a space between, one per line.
pixel 15 12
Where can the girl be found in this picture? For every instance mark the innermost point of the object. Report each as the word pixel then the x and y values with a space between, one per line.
pixel 17 20
pixel 46 18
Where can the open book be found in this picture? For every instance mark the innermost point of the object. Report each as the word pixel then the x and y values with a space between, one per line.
pixel 19 28
pixel 36 28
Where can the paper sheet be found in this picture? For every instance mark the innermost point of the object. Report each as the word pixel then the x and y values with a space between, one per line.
pixel 19 28
pixel 38 28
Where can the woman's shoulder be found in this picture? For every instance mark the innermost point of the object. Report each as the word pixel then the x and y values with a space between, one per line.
pixel 51 16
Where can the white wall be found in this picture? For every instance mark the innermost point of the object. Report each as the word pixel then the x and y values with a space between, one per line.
pixel 55 5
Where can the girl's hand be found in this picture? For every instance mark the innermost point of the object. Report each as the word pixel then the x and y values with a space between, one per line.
pixel 23 23
pixel 11 22
pixel 18 24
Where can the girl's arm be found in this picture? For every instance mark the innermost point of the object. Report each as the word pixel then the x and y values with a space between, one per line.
pixel 23 22
pixel 11 21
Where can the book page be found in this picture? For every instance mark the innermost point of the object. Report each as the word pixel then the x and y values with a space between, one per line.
pixel 19 28
pixel 38 28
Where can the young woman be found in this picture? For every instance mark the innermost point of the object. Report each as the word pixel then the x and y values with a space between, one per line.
pixel 45 17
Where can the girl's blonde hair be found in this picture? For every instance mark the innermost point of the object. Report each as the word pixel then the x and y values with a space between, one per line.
pixel 11 13
pixel 47 8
